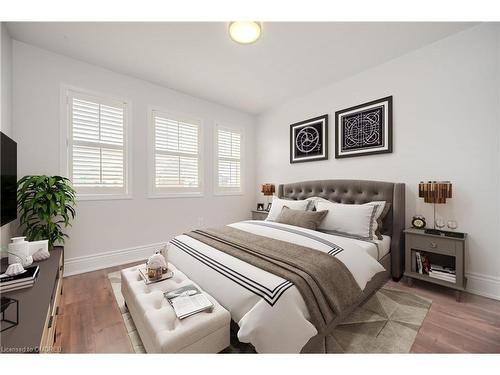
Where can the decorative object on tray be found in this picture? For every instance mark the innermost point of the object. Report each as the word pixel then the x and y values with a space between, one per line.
pixel 268 191
pixel 46 204
pixel 188 300
pixel 14 280
pixel 365 129
pixel 156 267
pixel 164 252
pixel 145 275
pixel 9 313
pixel 435 192
pixel 260 206
pixel 418 222
pixel 309 140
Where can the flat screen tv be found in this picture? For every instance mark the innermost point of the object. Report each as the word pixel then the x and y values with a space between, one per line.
pixel 8 178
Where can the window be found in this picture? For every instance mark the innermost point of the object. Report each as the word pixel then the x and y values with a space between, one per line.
pixel 97 146
pixel 177 160
pixel 228 164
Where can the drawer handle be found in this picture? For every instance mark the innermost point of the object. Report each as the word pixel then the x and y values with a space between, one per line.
pixel 50 322
pixel 432 244
pixel 57 310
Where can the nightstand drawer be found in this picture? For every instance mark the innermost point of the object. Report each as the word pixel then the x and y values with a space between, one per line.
pixel 436 245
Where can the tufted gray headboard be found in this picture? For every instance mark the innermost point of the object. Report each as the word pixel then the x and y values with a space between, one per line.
pixel 359 192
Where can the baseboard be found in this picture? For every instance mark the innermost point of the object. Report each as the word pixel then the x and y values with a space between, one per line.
pixel 88 263
pixel 483 285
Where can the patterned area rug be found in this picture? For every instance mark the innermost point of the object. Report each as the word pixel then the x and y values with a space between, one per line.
pixel 135 339
pixel 387 323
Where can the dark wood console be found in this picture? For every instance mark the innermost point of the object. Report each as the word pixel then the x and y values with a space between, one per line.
pixel 38 310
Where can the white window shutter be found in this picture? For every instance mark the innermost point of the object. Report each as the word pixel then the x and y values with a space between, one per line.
pixel 177 162
pixel 97 145
pixel 228 143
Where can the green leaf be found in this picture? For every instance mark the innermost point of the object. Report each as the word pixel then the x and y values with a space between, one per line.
pixel 45 204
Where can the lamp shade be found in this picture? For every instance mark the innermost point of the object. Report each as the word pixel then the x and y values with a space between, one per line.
pixel 267 189
pixel 435 191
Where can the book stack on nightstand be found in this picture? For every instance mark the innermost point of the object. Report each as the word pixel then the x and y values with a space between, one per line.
pixel 435 258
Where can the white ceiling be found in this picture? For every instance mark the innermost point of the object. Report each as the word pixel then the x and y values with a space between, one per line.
pixel 199 59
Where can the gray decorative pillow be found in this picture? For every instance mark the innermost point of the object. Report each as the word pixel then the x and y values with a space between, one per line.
pixel 299 218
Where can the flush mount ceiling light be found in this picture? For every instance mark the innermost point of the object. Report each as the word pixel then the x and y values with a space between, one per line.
pixel 245 32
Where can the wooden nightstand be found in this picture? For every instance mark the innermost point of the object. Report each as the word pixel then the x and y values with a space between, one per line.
pixel 259 215
pixel 441 250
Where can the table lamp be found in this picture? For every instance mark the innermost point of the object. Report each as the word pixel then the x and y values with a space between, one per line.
pixel 267 190
pixel 434 192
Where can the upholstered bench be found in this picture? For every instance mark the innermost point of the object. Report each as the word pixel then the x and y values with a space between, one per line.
pixel 158 326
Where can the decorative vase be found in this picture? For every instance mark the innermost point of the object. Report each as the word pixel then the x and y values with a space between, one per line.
pixel 19 251
pixel 157 265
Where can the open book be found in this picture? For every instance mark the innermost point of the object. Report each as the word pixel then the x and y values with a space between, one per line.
pixel 188 300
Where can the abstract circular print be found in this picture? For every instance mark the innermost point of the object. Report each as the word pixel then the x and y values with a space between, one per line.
pixel 307 140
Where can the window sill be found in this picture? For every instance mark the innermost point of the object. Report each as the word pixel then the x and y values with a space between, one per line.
pixel 103 197
pixel 174 195
pixel 227 193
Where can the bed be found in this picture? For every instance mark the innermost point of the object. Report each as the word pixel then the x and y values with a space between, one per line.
pixel 269 310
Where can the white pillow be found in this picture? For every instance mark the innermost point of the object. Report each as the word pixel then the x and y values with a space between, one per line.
pixel 351 219
pixel 380 205
pixel 278 204
pixel 314 202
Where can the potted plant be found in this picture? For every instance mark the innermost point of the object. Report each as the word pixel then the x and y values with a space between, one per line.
pixel 46 205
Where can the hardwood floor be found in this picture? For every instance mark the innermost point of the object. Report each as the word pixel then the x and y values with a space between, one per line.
pixel 90 321
pixel 469 326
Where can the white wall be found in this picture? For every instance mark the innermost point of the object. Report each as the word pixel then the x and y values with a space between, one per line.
pixel 446 127
pixel 6 108
pixel 108 225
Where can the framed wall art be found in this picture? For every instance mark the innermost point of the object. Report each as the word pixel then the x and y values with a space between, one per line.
pixel 365 129
pixel 309 140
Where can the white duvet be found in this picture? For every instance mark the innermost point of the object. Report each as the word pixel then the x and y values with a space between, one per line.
pixel 269 310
